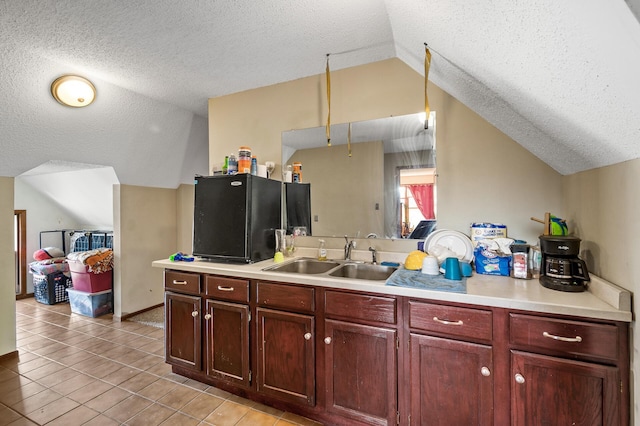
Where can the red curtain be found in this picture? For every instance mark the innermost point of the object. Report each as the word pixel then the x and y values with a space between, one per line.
pixel 423 194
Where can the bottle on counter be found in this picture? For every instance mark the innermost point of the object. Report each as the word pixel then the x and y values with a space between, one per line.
pixel 225 165
pixel 297 172
pixel 244 159
pixel 232 165
pixel 254 165
pixel 322 251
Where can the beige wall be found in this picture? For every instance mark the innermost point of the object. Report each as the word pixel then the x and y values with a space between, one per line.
pixel 602 207
pixel 482 174
pixel 186 195
pixel 7 269
pixel 145 219
pixel 345 190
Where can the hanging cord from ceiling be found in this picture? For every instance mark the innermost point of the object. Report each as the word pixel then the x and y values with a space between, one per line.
pixel 328 130
pixel 349 140
pixel 427 65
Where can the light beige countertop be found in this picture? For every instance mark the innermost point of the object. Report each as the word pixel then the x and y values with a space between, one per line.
pixel 603 300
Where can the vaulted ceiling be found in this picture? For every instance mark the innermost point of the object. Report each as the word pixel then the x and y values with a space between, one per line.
pixel 558 77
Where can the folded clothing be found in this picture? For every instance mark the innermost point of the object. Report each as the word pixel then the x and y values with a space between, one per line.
pixel 46 267
pixel 98 260
pixel 47 253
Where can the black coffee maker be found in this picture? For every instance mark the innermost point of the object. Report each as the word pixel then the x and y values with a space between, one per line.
pixel 561 267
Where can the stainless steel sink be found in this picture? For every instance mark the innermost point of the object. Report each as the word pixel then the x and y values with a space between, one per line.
pixel 304 266
pixel 363 271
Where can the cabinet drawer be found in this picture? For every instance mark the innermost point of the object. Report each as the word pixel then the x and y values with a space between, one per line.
pixel 227 288
pixel 577 338
pixel 182 282
pixel 360 307
pixel 451 320
pixel 283 296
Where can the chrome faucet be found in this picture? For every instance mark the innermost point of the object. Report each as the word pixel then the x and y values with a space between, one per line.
pixel 374 255
pixel 347 248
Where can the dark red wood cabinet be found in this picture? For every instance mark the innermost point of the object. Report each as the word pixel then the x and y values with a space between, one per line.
pixel 347 357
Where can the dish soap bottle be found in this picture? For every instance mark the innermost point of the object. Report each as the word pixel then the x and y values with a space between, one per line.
pixel 322 251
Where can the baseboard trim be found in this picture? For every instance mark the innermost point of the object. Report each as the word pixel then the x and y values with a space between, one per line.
pixel 133 314
pixel 9 355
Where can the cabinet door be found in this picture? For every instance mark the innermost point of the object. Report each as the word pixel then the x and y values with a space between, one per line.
pixel 183 330
pixel 555 391
pixel 451 382
pixel 361 372
pixel 286 355
pixel 227 340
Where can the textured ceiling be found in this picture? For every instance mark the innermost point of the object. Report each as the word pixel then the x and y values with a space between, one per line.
pixel 559 77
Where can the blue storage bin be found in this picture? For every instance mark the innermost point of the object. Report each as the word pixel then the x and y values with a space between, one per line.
pixel 90 304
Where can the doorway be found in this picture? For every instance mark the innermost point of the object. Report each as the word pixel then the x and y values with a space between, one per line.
pixel 20 249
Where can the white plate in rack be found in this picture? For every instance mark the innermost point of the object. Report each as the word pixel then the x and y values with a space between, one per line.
pixel 455 241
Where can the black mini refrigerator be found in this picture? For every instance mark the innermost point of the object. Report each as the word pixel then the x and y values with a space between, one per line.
pixel 235 217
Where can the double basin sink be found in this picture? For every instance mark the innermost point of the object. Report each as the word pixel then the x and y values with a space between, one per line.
pixel 335 268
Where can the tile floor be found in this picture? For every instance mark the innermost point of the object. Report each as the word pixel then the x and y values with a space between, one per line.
pixel 75 370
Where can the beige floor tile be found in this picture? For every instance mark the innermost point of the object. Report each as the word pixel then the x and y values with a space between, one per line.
pixel 90 391
pixel 160 369
pixel 157 389
pixel 212 390
pixel 146 361
pixel 139 381
pixel 44 371
pixel 154 414
pixel 299 420
pixel 58 377
pixel 32 364
pixel 52 410
pixel 22 421
pixel 179 419
pixel 281 422
pixel 6 374
pixel 227 414
pixel 12 384
pixel 127 408
pixel 121 375
pixel 178 397
pixel 17 395
pixel 7 415
pixel 108 399
pixel 201 406
pixel 12 362
pixel 76 417
pixel 77 381
pixel 101 420
pixel 104 369
pixel 32 403
pixel 257 418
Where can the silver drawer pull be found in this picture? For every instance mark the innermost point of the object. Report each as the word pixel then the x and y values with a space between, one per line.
pixel 194 314
pixel 221 288
pixel 207 317
pixel 176 282
pixel 307 336
pixel 447 322
pixel 562 339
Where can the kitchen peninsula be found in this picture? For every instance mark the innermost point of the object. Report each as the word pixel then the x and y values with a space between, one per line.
pixel 350 351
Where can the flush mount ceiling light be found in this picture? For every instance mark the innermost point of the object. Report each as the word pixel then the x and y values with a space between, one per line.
pixel 73 91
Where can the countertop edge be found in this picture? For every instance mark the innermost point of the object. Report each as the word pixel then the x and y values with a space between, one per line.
pixel 603 300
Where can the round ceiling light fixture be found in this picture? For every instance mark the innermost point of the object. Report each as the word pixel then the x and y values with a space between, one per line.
pixel 73 91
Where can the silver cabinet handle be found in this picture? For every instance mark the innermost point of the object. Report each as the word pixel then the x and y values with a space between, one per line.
pixel 327 340
pixel 485 371
pixel 519 378
pixel 176 282
pixel 221 288
pixel 307 336
pixel 562 339
pixel 194 314
pixel 447 322
pixel 207 317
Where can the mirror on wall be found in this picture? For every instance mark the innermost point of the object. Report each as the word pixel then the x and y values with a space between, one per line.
pixel 376 180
